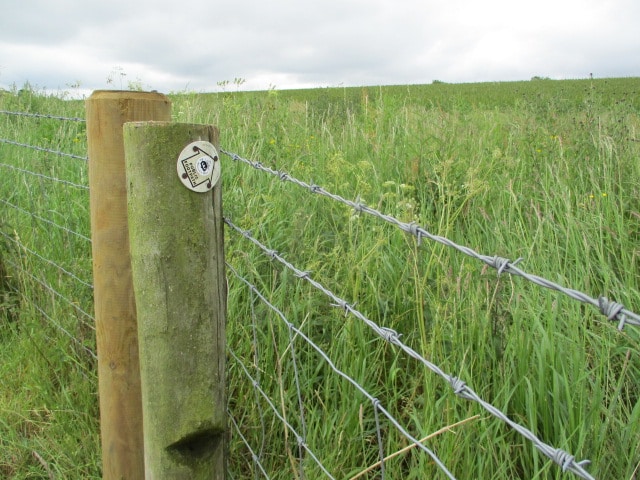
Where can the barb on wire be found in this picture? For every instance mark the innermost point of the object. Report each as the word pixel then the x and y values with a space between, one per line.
pixel 42 149
pixel 621 315
pixel 460 388
pixel 43 115
pixel 377 406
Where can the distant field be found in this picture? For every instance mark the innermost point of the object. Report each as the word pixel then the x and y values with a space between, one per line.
pixel 544 170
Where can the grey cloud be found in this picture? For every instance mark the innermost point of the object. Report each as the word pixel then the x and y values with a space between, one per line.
pixel 201 42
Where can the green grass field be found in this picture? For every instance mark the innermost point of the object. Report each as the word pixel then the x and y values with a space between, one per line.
pixel 544 170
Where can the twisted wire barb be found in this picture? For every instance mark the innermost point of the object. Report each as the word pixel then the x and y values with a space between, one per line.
pixel 377 405
pixel 612 310
pixel 43 115
pixel 564 459
pixel 43 149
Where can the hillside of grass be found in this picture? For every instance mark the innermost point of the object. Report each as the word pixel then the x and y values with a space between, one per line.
pixel 544 170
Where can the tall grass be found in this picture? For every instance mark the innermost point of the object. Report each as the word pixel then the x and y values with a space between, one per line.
pixel 543 170
pixel 48 407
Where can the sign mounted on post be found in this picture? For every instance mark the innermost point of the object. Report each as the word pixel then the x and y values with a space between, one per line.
pixel 199 166
pixel 174 254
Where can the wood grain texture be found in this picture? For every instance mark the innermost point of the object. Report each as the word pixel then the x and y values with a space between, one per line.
pixel 177 257
pixel 116 326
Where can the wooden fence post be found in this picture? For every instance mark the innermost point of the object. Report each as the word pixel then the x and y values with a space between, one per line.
pixel 177 256
pixel 116 328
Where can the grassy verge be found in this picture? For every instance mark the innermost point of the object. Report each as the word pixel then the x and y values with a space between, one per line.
pixel 48 405
pixel 543 170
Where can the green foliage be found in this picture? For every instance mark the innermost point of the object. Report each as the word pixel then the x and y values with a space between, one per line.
pixel 9 294
pixel 48 404
pixel 544 170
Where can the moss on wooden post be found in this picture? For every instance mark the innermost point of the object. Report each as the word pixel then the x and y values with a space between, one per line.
pixel 176 238
pixel 115 313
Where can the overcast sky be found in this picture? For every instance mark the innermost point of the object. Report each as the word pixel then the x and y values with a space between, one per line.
pixel 193 45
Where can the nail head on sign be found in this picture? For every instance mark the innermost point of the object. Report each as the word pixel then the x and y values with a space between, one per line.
pixel 198 166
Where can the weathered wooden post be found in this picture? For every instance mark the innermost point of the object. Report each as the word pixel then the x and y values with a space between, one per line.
pixel 177 256
pixel 116 328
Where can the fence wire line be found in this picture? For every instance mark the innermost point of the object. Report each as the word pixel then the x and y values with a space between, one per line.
pixel 24 248
pixel 43 149
pixel 377 406
pixel 48 287
pixel 46 260
pixel 42 219
pixel 299 439
pixel 43 115
pixel 564 459
pixel 256 355
pixel 254 457
pixel 46 177
pixel 612 310
pixel 87 349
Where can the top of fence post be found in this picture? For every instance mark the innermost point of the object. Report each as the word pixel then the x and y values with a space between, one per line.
pixel 115 313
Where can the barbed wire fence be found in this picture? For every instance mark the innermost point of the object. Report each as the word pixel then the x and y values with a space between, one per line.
pixel 612 310
pixel 56 280
pixel 564 459
pixel 41 187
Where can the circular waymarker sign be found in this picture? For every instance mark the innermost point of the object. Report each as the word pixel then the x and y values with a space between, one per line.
pixel 199 166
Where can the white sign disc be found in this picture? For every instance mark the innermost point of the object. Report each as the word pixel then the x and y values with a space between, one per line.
pixel 199 166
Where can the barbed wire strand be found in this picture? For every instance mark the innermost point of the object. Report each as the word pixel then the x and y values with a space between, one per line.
pixel 612 310
pixel 564 459
pixel 43 115
pixel 46 177
pixel 43 149
pixel 374 401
